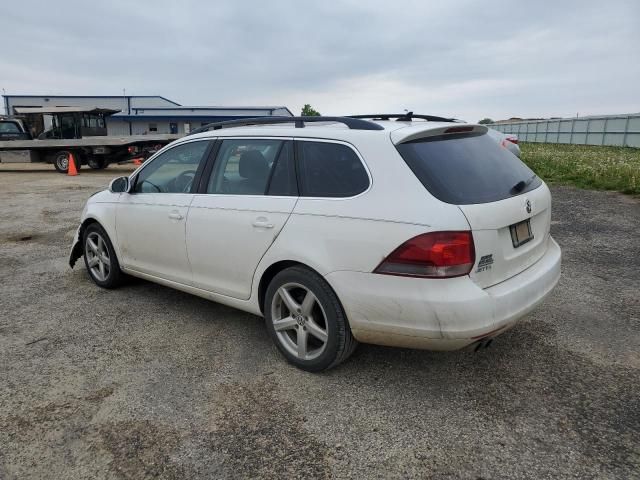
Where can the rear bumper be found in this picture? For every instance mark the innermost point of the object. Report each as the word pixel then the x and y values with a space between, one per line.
pixel 441 314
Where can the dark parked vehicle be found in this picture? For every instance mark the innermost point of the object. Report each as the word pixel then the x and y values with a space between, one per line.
pixel 12 128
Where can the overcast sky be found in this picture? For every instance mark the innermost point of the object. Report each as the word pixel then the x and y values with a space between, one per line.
pixel 467 59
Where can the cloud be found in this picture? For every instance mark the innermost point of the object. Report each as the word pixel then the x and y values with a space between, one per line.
pixel 466 59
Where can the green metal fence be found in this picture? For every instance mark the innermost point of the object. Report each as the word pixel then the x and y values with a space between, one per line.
pixel 616 130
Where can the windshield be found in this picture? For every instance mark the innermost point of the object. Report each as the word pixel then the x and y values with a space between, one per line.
pixel 467 169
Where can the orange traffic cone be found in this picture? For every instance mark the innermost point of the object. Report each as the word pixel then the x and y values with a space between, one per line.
pixel 137 161
pixel 72 171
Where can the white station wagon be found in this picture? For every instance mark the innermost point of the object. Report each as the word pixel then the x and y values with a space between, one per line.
pixel 401 230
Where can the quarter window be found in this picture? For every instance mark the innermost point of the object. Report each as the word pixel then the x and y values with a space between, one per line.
pixel 172 171
pixel 254 167
pixel 330 170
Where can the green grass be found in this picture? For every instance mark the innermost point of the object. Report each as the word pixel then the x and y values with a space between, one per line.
pixel 585 166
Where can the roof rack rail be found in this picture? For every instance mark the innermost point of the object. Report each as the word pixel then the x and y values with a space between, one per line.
pixel 352 123
pixel 404 117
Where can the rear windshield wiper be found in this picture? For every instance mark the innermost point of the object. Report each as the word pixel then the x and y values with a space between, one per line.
pixel 522 184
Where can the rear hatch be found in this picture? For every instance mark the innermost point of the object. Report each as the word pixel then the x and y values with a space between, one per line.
pixel 499 255
pixel 508 208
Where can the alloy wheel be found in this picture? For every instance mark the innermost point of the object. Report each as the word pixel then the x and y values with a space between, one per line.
pixel 98 259
pixel 299 321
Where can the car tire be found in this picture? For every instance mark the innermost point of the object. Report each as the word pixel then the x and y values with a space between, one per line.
pixel 311 332
pixel 100 257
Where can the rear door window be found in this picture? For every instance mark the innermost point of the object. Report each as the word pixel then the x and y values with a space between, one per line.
pixel 254 167
pixel 329 170
pixel 467 169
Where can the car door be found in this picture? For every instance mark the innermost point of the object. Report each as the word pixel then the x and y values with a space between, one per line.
pixel 240 211
pixel 150 220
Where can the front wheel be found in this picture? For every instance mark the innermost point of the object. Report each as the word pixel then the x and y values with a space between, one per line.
pixel 100 257
pixel 61 161
pixel 306 321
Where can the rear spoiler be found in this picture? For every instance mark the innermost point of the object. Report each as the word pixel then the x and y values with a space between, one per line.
pixel 418 131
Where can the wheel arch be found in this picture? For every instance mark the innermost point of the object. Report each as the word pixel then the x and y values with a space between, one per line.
pixel 77 249
pixel 272 270
pixel 88 221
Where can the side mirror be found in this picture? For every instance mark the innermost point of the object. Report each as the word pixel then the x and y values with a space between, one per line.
pixel 119 185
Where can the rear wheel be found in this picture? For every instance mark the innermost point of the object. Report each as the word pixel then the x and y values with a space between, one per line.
pixel 100 257
pixel 306 321
pixel 96 163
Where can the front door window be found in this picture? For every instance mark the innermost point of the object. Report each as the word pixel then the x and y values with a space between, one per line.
pixel 172 171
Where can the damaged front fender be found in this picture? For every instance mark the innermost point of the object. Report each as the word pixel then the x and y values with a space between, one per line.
pixel 76 249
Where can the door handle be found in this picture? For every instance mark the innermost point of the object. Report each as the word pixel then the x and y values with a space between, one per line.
pixel 175 216
pixel 262 223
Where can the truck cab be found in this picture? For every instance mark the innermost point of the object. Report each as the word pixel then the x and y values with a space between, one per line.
pixel 74 122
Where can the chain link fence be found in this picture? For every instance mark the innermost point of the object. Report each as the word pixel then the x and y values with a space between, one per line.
pixel 615 130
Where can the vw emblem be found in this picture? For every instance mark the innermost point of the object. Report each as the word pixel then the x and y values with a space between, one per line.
pixel 528 206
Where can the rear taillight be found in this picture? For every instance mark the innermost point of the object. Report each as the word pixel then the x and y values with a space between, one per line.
pixel 512 140
pixel 432 255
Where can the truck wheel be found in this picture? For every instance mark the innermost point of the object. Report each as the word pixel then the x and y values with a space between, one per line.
pixel 97 163
pixel 61 161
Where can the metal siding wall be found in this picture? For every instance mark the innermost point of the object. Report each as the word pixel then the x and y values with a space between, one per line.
pixel 614 130
pixel 117 127
pixel 141 127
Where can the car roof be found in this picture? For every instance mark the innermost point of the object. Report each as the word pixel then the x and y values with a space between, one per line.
pixel 398 130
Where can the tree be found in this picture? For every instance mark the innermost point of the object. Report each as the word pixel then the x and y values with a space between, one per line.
pixel 485 121
pixel 308 111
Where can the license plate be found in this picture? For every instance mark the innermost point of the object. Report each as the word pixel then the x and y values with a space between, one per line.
pixel 521 233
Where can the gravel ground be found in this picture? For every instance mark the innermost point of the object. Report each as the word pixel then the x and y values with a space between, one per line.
pixel 147 382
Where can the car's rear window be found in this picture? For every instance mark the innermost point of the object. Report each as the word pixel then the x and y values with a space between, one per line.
pixel 465 169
